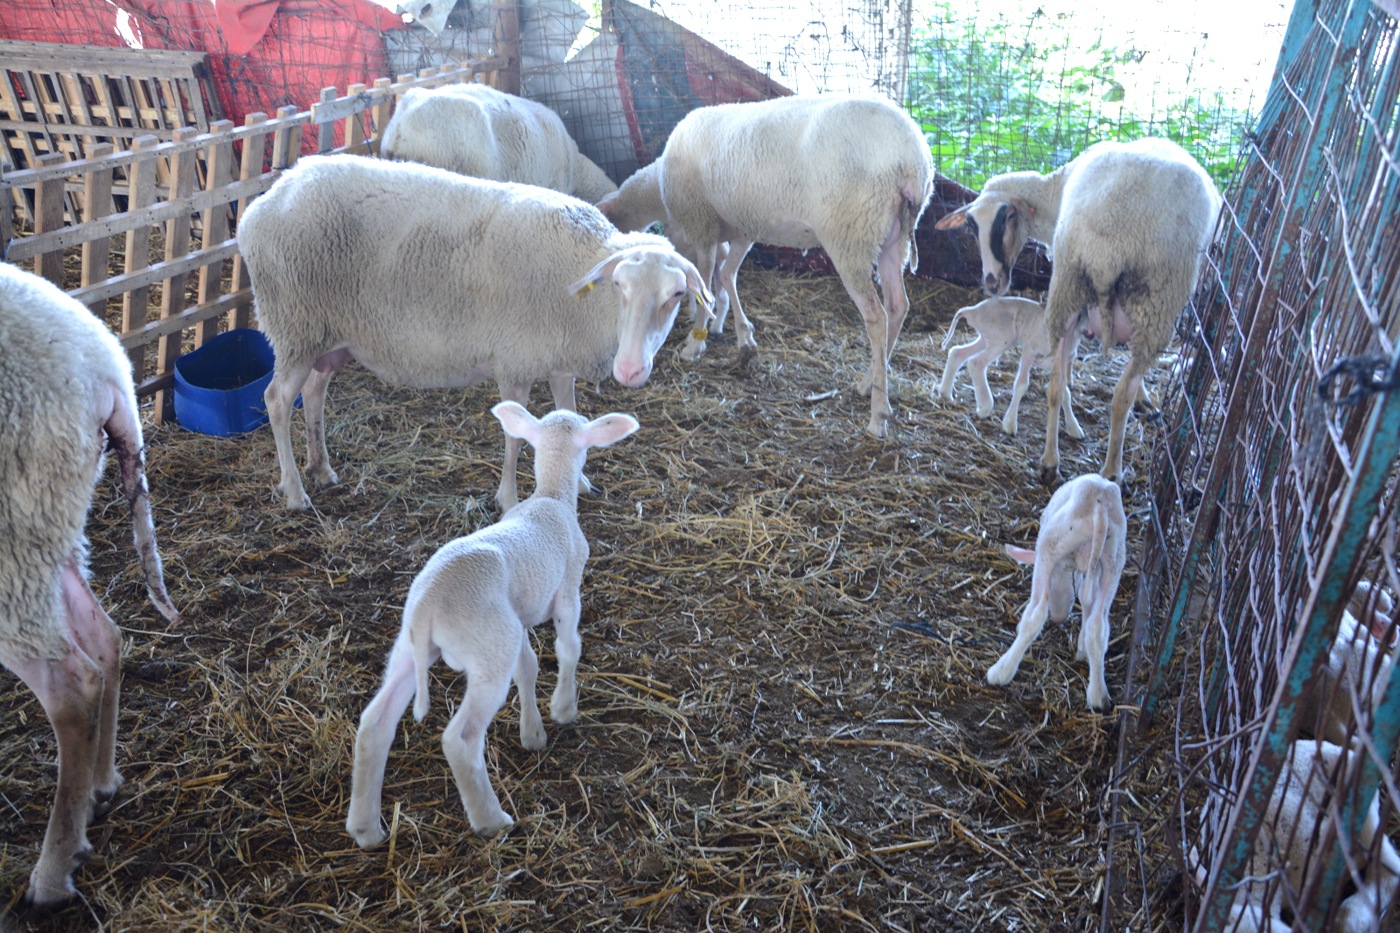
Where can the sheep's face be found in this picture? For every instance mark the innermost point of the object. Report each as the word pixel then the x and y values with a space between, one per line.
pixel 997 223
pixel 649 289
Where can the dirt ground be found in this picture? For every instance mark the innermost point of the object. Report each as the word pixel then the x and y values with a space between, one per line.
pixel 784 719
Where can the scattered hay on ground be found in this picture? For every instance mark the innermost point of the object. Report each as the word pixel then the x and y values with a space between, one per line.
pixel 784 717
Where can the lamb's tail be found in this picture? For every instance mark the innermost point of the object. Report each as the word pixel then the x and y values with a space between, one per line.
pixel 1096 549
pixel 952 327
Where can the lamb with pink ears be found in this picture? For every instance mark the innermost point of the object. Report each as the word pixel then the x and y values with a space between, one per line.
pixel 472 605
pixel 1081 548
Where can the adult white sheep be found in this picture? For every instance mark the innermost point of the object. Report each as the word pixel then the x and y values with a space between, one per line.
pixel 435 280
pixel 1127 226
pixel 849 174
pixel 66 395
pixel 473 605
pixel 476 130
pixel 1080 549
pixel 1286 847
pixel 1001 324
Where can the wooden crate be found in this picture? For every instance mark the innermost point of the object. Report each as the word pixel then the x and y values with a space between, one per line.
pixel 70 99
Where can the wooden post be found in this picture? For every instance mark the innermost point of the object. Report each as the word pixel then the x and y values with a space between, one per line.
pixel 249 168
pixel 215 224
pixel 48 215
pixel 97 202
pixel 286 142
pixel 141 191
pixel 507 36
pixel 379 116
pixel 177 244
pixel 355 125
pixel 325 133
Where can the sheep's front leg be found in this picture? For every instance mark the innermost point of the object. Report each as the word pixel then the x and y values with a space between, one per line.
pixel 70 689
pixel 1010 422
pixel 527 671
pixel 372 742
pixel 704 259
pixel 464 744
pixel 568 648
pixel 561 386
pixel 279 397
pixel 506 494
pixel 727 287
pixel 861 287
pixel 957 359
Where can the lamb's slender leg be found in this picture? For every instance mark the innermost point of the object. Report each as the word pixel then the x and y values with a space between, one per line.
pixel 372 742
pixel 1094 634
pixel 981 388
pixel 464 744
pixel 506 494
pixel 1027 631
pixel 527 671
pixel 957 359
pixel 313 401
pixel 71 690
pixel 568 647
pixel 1123 395
pixel 1010 421
pixel 561 386
pixel 280 395
pixel 728 282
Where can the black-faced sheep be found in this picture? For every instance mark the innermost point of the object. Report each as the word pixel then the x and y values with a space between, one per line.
pixel 66 395
pixel 1127 226
pixel 476 130
pixel 849 174
pixel 435 280
pixel 473 605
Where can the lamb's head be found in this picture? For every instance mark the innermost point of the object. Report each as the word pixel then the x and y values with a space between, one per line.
pixel 561 440
pixel 649 281
pixel 999 222
pixel 1064 580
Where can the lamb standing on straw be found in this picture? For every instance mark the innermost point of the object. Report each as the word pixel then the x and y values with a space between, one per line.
pixel 472 605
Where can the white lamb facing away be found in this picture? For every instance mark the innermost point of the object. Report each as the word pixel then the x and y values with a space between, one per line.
pixel 1081 548
pixel 1127 226
pixel 1301 801
pixel 476 130
pixel 473 604
pixel 849 174
pixel 67 395
pixel 1001 324
pixel 436 280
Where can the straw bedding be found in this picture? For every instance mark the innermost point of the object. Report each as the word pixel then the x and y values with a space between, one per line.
pixel 784 721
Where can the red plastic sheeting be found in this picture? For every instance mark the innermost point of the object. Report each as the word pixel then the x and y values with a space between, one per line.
pixel 294 47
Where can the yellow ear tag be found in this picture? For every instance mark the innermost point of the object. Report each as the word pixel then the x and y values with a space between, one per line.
pixel 700 334
pixel 592 283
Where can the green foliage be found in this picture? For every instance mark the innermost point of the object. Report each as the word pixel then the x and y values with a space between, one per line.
pixel 995 95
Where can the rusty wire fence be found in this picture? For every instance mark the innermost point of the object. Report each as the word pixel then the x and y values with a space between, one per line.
pixel 1274 503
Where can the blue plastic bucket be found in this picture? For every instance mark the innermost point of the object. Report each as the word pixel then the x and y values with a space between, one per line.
pixel 219 387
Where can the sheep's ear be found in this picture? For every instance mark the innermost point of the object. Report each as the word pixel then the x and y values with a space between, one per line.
pixel 954 220
pixel 609 429
pixel 608 205
pixel 1019 554
pixel 696 286
pixel 594 276
pixel 517 420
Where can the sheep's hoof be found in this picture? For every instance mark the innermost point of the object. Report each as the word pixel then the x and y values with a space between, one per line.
pixel 564 713
pixel 322 477
pixel 297 499
pixel 532 740
pixel 1050 475
pixel 693 350
pixel 1102 704
pixel 368 837
pixel 41 901
pixel 1009 428
pixel 493 825
pixel 998 674
pixel 1147 412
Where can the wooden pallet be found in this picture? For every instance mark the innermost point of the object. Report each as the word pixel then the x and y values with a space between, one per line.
pixel 68 99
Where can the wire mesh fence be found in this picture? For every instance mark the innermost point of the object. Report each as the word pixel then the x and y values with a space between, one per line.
pixel 1275 507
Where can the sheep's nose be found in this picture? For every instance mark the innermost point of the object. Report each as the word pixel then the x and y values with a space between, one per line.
pixel 631 374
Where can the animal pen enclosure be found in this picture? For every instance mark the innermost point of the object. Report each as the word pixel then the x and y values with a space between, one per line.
pixel 785 722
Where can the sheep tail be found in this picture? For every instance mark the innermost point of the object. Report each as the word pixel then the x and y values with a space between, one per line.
pixel 909 211
pixel 1096 549
pixel 952 327
pixel 420 635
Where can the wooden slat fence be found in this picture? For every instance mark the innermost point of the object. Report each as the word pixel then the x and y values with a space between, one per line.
pixel 160 265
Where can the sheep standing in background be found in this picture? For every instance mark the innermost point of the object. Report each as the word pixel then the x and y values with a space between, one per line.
pixel 474 129
pixel 849 174
pixel 1081 548
pixel 66 394
pixel 1302 801
pixel 473 605
pixel 1360 662
pixel 1127 226
pixel 1002 323
pixel 435 280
